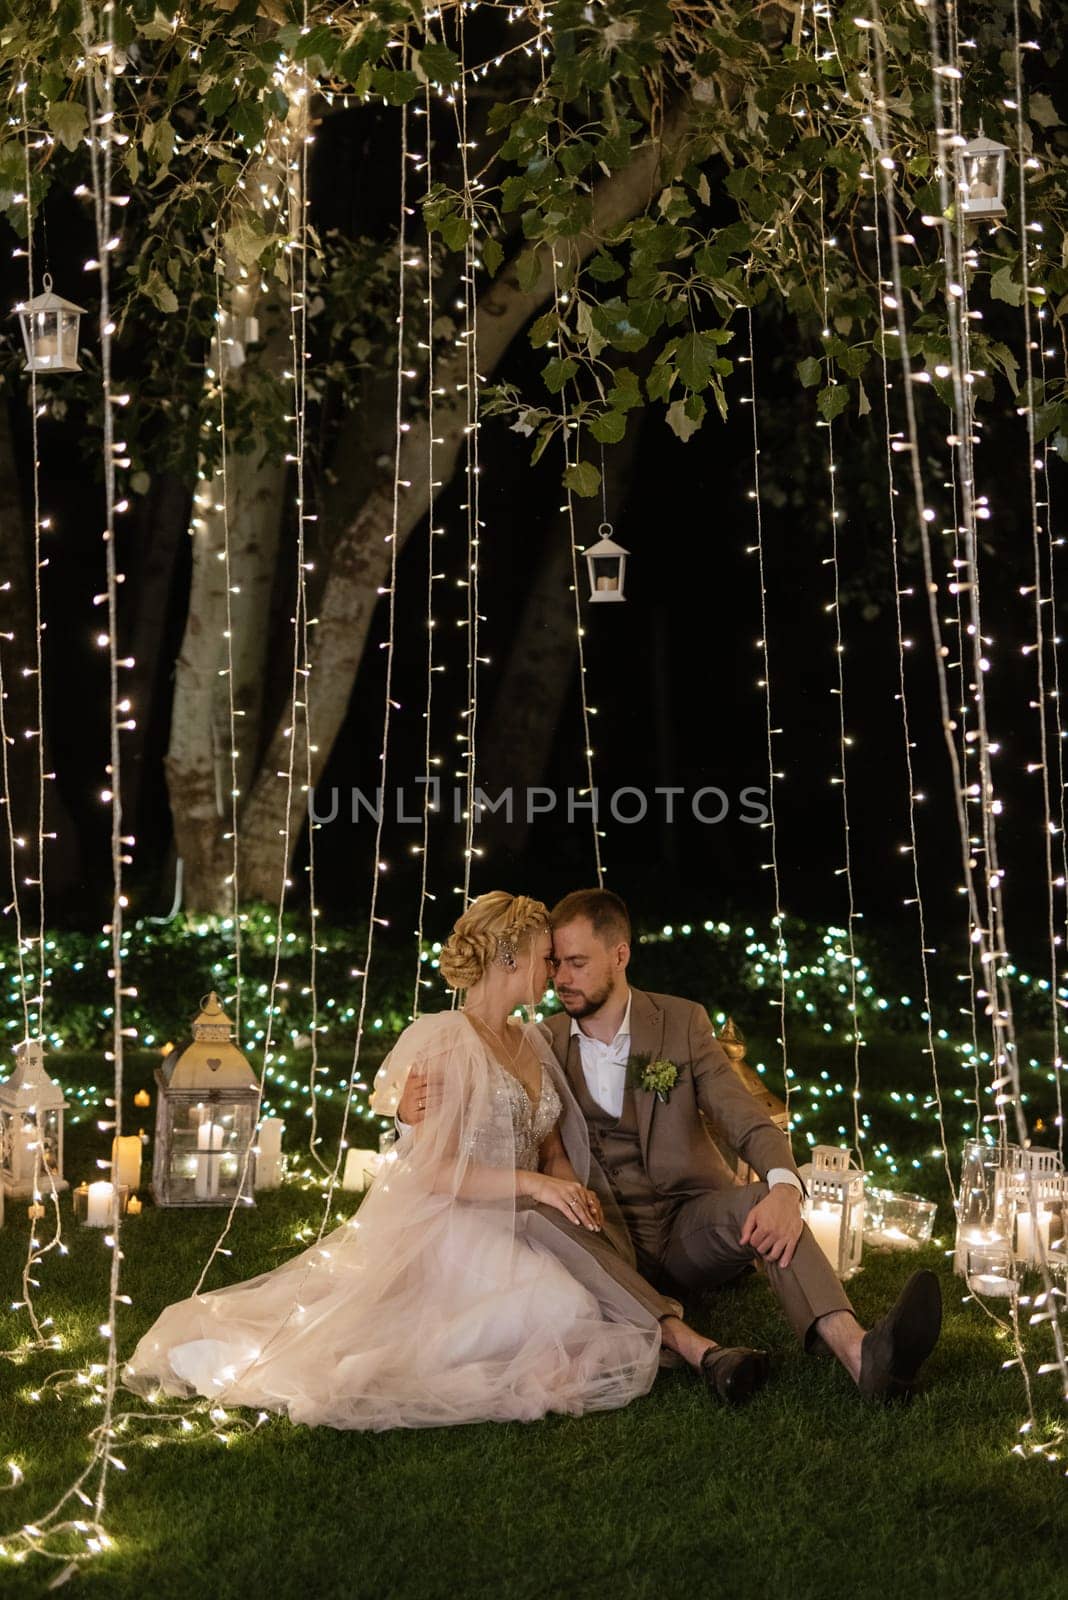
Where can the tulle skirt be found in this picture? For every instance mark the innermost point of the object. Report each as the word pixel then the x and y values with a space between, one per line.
pixel 486 1324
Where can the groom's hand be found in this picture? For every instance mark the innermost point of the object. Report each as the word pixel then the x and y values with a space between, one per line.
pixel 421 1094
pixel 774 1225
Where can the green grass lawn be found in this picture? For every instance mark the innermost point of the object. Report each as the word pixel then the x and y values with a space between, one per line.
pixel 803 1493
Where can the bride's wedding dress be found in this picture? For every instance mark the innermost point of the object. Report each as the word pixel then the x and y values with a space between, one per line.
pixel 442 1300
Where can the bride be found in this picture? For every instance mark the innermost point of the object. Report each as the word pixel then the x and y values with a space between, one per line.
pixel 448 1298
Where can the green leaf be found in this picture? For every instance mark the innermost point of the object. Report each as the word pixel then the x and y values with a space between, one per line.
pixel 557 371
pixel 810 371
pixel 627 392
pixel 218 99
pixel 528 270
pixel 1040 109
pixel 492 255
pixel 604 269
pixel 440 64
pixel 692 361
pixel 544 329
pixel 1003 288
pixel 455 231
pixel 246 241
pixel 395 87
pixel 660 381
pixel 609 427
pixel 320 41
pixel 680 423
pixel 160 293
pixel 248 120
pixel 68 121
pixel 832 401
pixel 583 478
pixel 854 360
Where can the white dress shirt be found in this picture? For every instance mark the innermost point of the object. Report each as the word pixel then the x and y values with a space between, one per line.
pixel 604 1067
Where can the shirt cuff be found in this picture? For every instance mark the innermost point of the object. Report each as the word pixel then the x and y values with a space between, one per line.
pixel 784 1175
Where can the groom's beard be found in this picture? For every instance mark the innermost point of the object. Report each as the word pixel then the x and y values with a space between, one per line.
pixel 580 1005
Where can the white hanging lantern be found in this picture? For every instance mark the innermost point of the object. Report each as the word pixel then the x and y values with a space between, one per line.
pixel 50 331
pixel 606 563
pixel 982 180
pixel 205 1118
pixel 834 1208
pixel 31 1125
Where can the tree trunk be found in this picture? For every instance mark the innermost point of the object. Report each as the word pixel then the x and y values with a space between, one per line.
pixel 361 555
pixel 200 777
pixel 161 527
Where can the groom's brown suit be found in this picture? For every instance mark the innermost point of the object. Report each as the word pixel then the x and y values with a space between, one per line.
pixel 671 1208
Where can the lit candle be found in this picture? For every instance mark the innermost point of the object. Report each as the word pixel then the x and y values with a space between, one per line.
pixel 133 1206
pixel 890 1239
pixel 142 1098
pixel 1026 1248
pixel 209 1139
pixel 269 1159
pixel 607 583
pixel 360 1167
pixel 825 1220
pixel 36 1211
pixel 98 1206
pixel 126 1160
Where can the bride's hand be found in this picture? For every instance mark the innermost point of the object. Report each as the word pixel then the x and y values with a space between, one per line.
pixel 577 1203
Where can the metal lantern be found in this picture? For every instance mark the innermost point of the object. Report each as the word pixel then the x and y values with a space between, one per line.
pixel 834 1209
pixel 31 1125
pixel 50 331
pixel 1036 1192
pixel 205 1118
pixel 606 563
pixel 982 182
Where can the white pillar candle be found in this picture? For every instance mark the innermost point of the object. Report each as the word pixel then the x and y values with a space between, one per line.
pixel 98 1205
pixel 1026 1248
pixel 209 1138
pixel 825 1220
pixel 360 1167
pixel 270 1139
pixel 126 1160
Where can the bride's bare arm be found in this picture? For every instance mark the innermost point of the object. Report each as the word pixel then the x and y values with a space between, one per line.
pixel 552 1157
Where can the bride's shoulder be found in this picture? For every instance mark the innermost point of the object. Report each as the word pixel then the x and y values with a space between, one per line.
pixel 433 1025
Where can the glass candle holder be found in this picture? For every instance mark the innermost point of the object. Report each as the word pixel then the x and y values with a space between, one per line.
pixel 992 1269
pixel 894 1221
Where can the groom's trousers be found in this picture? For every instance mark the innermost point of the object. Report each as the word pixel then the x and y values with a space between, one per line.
pixel 685 1243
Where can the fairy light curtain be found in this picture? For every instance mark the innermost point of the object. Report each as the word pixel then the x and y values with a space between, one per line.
pixel 987 920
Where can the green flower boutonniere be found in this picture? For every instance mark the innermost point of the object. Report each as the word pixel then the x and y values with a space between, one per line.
pixel 653 1077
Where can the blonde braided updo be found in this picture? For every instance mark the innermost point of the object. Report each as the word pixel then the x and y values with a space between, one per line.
pixel 495 924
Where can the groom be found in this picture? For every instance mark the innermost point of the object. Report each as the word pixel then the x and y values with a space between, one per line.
pixel 655 1158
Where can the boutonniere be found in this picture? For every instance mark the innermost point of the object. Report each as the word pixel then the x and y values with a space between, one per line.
pixel 653 1077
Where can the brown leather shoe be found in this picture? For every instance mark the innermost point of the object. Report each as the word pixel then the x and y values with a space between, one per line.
pixel 893 1352
pixel 734 1374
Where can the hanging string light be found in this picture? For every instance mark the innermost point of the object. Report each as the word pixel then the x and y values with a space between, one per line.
pixel 778 919
pixel 988 937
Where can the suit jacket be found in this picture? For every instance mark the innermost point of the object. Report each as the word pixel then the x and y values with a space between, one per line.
pixel 680 1157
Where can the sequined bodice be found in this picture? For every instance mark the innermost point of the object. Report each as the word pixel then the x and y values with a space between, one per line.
pixel 531 1123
